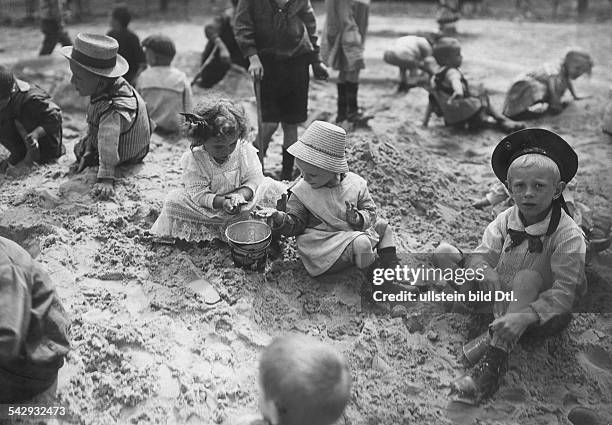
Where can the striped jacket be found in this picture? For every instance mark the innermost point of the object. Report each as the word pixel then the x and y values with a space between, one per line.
pixel 119 127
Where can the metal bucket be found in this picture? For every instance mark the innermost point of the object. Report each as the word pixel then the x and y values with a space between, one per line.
pixel 249 241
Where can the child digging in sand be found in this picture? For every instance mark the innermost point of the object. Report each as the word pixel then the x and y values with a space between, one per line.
pixel 415 55
pixel 302 381
pixel 165 89
pixel 451 96
pixel 222 177
pixel 534 249
pixel 118 124
pixel 330 209
pixel 30 125
pixel 544 88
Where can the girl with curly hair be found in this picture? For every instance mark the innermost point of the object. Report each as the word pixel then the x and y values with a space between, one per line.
pixel 222 177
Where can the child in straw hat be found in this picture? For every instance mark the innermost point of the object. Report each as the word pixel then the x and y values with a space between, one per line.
pixel 222 177
pixel 452 98
pixel 330 209
pixel 533 251
pixel 118 123
pixel 546 85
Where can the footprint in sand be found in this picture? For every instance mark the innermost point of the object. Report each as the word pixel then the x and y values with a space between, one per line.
pixel 584 416
pixel 597 362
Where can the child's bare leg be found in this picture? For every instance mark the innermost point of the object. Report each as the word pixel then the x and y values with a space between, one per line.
pixel 289 134
pixel 402 74
pixel 503 121
pixel 289 138
pixel 446 256
pixel 363 255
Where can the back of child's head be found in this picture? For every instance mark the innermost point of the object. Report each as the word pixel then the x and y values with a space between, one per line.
pixel 162 47
pixel 538 161
pixel 212 118
pixel 580 57
pixel 7 82
pixel 122 15
pixel 308 382
pixel 445 49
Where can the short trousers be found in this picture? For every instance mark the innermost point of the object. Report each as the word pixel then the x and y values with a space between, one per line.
pixel 284 89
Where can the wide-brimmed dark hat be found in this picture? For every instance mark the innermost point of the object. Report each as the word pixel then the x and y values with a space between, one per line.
pixel 539 141
pixel 97 54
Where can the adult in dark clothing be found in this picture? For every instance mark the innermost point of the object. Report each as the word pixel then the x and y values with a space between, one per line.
pixel 30 123
pixel 33 327
pixel 129 43
pixel 221 49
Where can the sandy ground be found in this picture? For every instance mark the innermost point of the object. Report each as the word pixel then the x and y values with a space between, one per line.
pixel 148 349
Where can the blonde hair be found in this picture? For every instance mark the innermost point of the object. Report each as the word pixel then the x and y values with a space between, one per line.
pixel 307 380
pixel 538 161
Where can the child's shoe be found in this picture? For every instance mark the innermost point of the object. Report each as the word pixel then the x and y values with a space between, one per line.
pixel 485 378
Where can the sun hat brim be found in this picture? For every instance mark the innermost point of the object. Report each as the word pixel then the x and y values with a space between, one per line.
pixel 317 158
pixel 121 66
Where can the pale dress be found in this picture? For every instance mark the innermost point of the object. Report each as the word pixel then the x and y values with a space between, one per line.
pixel 533 87
pixel 188 213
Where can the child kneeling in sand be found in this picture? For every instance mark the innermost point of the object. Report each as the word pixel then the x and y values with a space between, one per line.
pixel 452 98
pixel 118 124
pixel 30 124
pixel 222 176
pixel 33 329
pixel 330 209
pixel 534 249
pixel 546 85
pixel 302 382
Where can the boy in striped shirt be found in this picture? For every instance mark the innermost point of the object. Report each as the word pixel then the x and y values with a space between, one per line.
pixel 534 251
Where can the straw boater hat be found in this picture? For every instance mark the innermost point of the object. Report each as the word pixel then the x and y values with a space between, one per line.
pixel 322 145
pixel 97 54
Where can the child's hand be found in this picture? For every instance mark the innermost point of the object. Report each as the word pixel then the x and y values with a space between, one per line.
pixel 228 208
pixel 276 219
pixel 454 96
pixel 104 189
pixel 352 215
pixel 319 71
pixel 236 199
pixel 256 68
pixel 511 326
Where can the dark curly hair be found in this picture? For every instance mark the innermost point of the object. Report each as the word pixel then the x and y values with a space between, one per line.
pixel 213 118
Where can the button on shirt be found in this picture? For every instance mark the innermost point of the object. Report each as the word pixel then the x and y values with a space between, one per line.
pixel 561 262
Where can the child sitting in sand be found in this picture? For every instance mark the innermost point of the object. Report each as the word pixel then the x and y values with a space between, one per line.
pixel 118 124
pixel 222 177
pixel 30 124
pixel 330 209
pixel 451 96
pixel 302 381
pixel 414 54
pixel 165 89
pixel 534 249
pixel 544 88
pixel 33 329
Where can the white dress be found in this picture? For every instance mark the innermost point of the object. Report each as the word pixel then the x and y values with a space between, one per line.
pixel 188 213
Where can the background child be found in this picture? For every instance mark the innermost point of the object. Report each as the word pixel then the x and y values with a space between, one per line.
pixel 33 328
pixel 30 124
pixel 223 48
pixel 118 124
pixel 221 174
pixel 346 26
pixel 451 94
pixel 302 381
pixel 330 209
pixel 547 85
pixel 164 88
pixel 414 54
pixel 129 43
pixel 534 249
pixel 279 38
pixel 52 26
